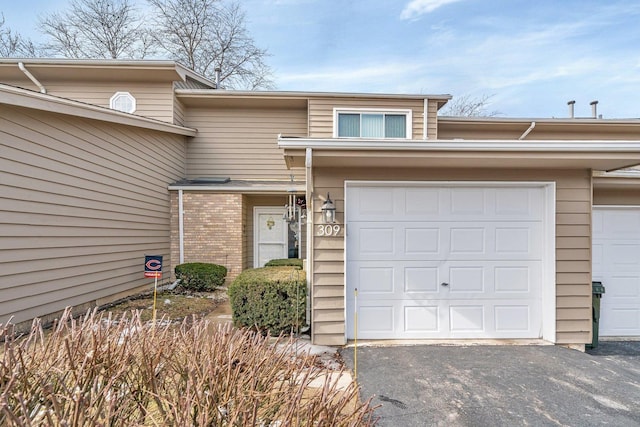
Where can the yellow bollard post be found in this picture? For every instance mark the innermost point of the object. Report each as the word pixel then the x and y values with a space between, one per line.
pixel 155 294
pixel 355 335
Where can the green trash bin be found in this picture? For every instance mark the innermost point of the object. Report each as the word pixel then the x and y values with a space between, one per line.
pixel 597 289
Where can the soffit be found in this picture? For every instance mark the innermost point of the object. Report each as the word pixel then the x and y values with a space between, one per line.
pixel 214 101
pixel 110 71
pixel 290 99
pixel 476 154
pixel 448 125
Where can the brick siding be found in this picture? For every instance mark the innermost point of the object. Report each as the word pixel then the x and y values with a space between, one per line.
pixel 213 229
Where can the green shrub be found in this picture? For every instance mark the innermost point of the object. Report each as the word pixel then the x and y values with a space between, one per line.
pixel 200 276
pixel 283 262
pixel 269 299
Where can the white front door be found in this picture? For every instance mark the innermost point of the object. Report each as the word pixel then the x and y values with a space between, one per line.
pixel 445 261
pixel 616 263
pixel 270 235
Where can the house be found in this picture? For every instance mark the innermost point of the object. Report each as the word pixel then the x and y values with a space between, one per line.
pixel 427 227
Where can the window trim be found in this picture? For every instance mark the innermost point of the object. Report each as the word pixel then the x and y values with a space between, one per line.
pixel 117 95
pixel 395 111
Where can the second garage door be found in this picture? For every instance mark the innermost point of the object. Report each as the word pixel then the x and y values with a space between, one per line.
pixel 616 263
pixel 444 261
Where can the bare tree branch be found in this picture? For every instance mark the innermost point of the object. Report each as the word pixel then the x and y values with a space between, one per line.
pixel 206 34
pixel 97 29
pixel 468 106
pixel 13 44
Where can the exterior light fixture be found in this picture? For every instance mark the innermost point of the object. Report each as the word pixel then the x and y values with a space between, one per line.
pixel 328 211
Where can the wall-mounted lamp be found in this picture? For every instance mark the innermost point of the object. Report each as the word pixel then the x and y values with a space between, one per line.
pixel 328 211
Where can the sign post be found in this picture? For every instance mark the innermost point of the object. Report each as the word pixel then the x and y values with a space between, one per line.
pixel 153 268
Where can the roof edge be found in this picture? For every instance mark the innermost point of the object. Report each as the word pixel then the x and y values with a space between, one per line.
pixel 596 146
pixel 221 93
pixel 528 120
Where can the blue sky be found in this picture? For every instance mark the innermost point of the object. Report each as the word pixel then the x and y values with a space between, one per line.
pixel 531 56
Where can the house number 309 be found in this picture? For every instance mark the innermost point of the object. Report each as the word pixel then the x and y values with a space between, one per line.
pixel 328 230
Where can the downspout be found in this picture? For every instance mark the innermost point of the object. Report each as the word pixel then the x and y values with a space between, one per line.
pixel 425 127
pixel 31 77
pixel 526 132
pixel 308 163
pixel 181 226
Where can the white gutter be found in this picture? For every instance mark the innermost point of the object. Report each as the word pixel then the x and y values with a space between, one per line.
pixel 226 188
pixel 181 225
pixel 466 145
pixel 526 132
pixel 31 77
pixel 425 130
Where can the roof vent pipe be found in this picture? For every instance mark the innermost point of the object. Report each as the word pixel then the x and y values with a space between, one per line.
pixel 571 104
pixel 594 109
pixel 217 71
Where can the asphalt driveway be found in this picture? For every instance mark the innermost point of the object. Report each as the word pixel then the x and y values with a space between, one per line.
pixel 433 385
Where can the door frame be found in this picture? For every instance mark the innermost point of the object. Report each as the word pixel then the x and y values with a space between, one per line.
pixel 548 303
pixel 277 213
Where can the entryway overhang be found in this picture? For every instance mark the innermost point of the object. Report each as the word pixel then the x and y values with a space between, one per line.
pixel 596 155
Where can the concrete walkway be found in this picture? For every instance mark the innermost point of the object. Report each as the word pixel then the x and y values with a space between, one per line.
pixel 432 385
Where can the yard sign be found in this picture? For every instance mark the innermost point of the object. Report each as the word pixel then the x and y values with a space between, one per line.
pixel 153 266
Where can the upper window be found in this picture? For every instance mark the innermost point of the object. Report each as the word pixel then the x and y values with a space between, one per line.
pixel 372 124
pixel 123 101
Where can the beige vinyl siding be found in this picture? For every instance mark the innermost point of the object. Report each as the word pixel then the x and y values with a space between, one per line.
pixel 178 112
pixel 432 119
pixel 81 203
pixel 629 196
pixel 241 143
pixel 321 112
pixel 573 244
pixel 154 100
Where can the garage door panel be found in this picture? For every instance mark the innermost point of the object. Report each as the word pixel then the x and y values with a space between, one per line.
pixel 620 255
pixel 512 318
pixel 421 318
pixel 616 263
pixel 436 279
pixel 432 203
pixel 620 287
pixel 442 319
pixel 394 280
pixel 444 240
pixel 493 280
pixel 626 320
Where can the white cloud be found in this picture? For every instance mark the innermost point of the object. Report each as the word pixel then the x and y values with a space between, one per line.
pixel 415 8
pixel 353 77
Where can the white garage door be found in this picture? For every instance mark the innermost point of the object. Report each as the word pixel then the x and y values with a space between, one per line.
pixel 616 263
pixel 455 261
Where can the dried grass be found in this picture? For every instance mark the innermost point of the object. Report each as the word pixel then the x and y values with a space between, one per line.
pixel 96 371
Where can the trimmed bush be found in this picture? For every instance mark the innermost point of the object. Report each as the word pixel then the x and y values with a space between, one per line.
pixel 284 262
pixel 200 276
pixel 269 299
